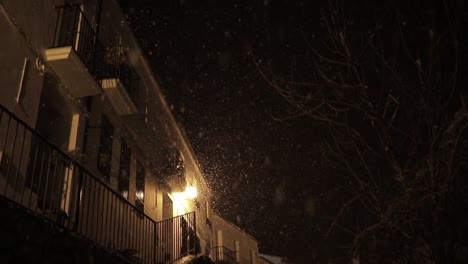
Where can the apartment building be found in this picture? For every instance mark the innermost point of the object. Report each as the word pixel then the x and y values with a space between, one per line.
pixel 232 244
pixel 87 139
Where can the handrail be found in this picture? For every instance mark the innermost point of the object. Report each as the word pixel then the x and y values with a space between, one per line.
pixel 74 30
pixel 175 244
pixel 60 151
pixel 117 65
pixel 39 176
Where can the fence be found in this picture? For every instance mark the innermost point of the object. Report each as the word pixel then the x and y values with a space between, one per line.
pixel 117 65
pixel 44 179
pixel 73 29
pixel 177 237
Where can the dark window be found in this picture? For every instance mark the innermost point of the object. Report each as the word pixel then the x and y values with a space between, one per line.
pixel 179 164
pixel 140 187
pixel 105 148
pixel 124 172
pixel 175 163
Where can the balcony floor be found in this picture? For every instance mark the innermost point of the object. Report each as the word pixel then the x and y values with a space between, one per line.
pixel 118 97
pixel 72 72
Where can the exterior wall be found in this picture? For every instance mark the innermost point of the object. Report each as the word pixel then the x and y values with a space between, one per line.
pixel 262 260
pixel 153 206
pixel 27 13
pixel 74 124
pixel 29 88
pixel 11 71
pixel 158 118
pixel 29 27
pixel 23 84
pixel 227 235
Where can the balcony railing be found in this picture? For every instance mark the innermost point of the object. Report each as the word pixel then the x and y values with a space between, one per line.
pixel 76 55
pixel 73 29
pixel 42 178
pixel 224 255
pixel 122 82
pixel 118 65
pixel 176 238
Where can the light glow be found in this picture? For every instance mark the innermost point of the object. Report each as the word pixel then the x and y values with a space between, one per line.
pixel 140 195
pixel 182 200
pixel 178 196
pixel 191 192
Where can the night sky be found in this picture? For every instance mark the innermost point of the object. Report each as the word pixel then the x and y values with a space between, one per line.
pixel 364 153
pixel 259 164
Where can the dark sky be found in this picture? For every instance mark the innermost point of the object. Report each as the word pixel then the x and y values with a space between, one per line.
pixel 269 170
pixel 258 167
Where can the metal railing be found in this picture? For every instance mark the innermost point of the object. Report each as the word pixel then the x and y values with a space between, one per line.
pixel 44 179
pixel 224 255
pixel 117 65
pixel 176 238
pixel 73 29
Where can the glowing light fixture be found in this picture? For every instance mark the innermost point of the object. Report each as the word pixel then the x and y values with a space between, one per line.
pixel 182 200
pixel 178 196
pixel 191 192
pixel 140 195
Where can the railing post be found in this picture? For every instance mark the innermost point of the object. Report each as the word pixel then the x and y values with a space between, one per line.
pixel 12 156
pixel 155 241
pixel 195 233
pixel 78 201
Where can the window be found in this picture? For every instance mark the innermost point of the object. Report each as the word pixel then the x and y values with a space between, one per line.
pixel 124 171
pixel 179 164
pixel 140 187
pixel 175 163
pixel 105 148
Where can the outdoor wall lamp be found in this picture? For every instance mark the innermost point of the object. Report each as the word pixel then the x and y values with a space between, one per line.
pixel 191 192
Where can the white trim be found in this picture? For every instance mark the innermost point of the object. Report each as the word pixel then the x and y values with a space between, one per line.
pixel 237 250
pixel 78 28
pixel 219 239
pixel 73 137
pixel 21 83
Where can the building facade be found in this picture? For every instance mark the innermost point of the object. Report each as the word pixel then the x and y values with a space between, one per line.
pixel 87 139
pixel 232 244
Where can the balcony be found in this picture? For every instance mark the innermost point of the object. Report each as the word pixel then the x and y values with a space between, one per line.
pixel 38 176
pixel 121 83
pixel 76 54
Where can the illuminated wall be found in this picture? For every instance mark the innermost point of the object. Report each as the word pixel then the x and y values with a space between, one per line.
pixel 229 236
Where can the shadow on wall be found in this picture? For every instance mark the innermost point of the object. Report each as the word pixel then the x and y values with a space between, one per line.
pixel 27 238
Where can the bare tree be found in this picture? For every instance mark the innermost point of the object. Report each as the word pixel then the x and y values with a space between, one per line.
pixel 386 80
